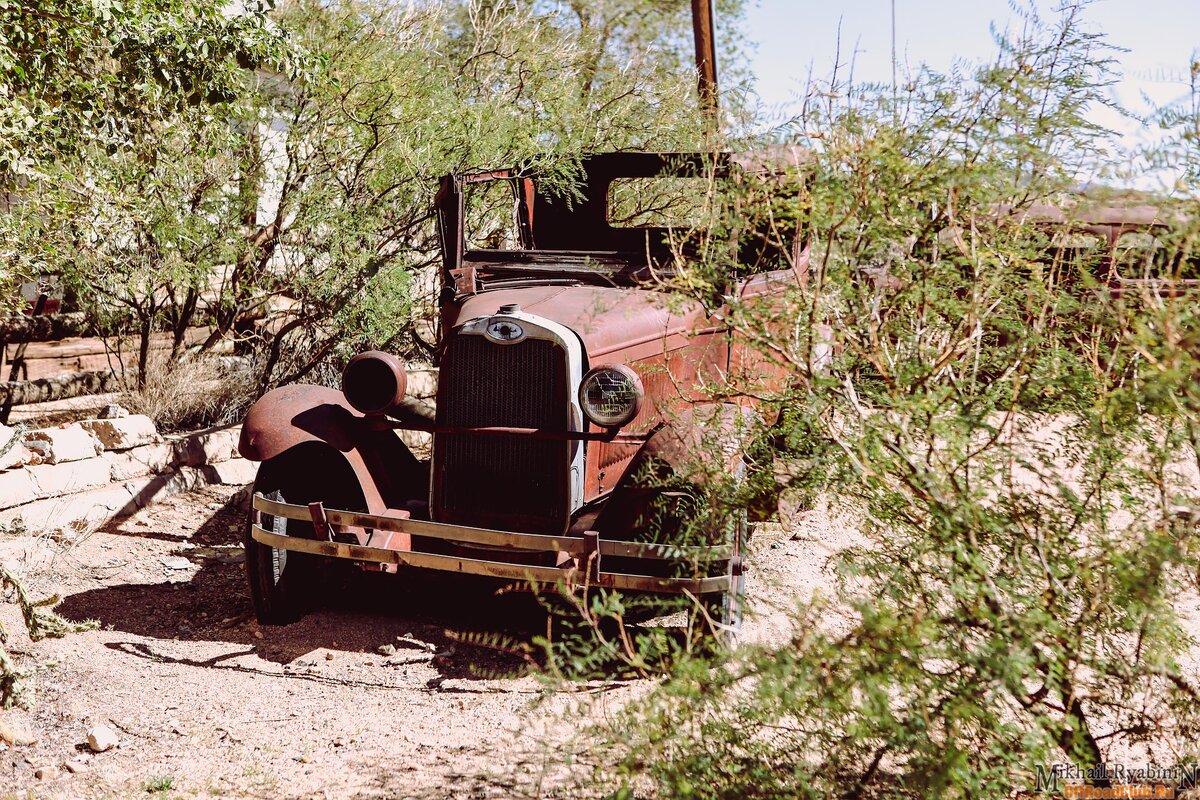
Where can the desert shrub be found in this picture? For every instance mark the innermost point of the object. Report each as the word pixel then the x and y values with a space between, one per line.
pixel 41 622
pixel 1017 445
pixel 104 79
pixel 192 392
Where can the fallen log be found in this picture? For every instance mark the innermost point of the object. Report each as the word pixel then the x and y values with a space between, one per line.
pixel 24 328
pixel 44 390
pixel 72 347
pixel 51 359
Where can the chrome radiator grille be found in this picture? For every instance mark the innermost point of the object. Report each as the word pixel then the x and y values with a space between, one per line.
pixel 508 482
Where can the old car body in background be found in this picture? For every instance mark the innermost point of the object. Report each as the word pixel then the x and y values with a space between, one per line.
pixel 567 375
pixel 1126 249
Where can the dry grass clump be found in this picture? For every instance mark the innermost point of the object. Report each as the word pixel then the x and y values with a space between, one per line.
pixel 195 391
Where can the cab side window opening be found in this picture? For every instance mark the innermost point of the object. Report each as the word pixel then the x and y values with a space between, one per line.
pixel 1078 253
pixel 634 210
pixel 1141 255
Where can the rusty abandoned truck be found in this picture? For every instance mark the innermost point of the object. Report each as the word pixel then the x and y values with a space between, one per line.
pixel 564 370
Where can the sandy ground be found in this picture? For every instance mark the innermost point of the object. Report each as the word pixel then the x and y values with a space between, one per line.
pixel 208 703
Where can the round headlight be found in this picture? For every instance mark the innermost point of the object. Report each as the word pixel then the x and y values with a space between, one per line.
pixel 611 395
pixel 374 382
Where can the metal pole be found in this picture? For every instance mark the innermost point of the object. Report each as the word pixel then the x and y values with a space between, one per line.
pixel 893 52
pixel 706 62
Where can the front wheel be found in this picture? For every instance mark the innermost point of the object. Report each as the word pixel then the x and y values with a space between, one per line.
pixel 719 615
pixel 282 582
pixel 723 611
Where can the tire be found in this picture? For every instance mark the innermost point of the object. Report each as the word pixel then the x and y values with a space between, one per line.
pixel 283 584
pixel 721 620
pixel 286 584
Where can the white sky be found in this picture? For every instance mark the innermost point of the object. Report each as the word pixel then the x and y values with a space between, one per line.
pixel 796 37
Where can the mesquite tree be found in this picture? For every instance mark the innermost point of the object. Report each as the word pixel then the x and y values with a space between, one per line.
pixel 109 76
pixel 1016 442
pixel 294 216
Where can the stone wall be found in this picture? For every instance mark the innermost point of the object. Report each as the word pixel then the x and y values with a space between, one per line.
pixel 87 472
pixel 91 471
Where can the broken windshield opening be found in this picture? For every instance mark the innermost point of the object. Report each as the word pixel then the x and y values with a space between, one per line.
pixel 490 216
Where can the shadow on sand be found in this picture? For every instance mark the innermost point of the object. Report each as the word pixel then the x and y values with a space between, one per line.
pixel 357 612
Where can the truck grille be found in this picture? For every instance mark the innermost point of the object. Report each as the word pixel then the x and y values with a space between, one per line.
pixel 508 482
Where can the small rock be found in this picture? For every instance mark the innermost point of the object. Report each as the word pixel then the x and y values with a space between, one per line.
pixel 329 656
pixel 226 734
pixel 386 649
pixel 112 411
pixel 56 445
pixel 11 733
pixel 175 562
pixel 39 449
pixel 74 767
pixel 42 773
pixel 102 738
pixel 122 434
pixel 408 640
pixel 258 634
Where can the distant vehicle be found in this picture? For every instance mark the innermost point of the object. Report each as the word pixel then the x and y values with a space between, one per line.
pixel 43 295
pixel 1126 249
pixel 564 370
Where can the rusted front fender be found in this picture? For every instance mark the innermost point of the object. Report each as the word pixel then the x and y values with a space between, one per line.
pixel 700 434
pixel 698 443
pixel 290 415
pixel 287 418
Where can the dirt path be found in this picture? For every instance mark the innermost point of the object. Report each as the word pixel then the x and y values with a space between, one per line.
pixel 208 703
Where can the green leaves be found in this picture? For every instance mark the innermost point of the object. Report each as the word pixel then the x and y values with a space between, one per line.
pixel 106 72
pixel 1015 442
pixel 86 80
pixel 166 147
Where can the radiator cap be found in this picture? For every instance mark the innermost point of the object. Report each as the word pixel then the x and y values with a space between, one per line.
pixel 509 308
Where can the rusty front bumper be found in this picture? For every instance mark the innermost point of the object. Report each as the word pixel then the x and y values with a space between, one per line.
pixel 583 568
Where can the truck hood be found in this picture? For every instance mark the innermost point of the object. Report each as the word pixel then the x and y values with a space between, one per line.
pixel 615 324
